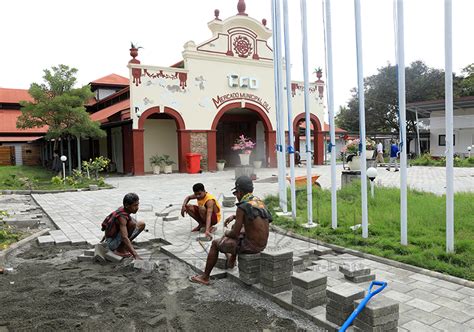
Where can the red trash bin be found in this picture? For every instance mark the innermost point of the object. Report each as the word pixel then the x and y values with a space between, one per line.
pixel 193 163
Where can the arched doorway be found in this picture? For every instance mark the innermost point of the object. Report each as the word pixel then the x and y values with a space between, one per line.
pixel 317 138
pixel 162 136
pixel 234 120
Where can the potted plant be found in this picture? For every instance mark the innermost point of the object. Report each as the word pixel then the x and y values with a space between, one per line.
pixel 156 162
pixel 369 148
pixel 220 164
pixel 168 164
pixel 244 146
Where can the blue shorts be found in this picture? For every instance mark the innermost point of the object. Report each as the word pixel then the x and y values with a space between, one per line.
pixel 114 242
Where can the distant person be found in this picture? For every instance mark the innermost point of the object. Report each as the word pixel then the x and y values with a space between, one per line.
pixel 207 213
pixel 297 159
pixel 394 152
pixel 379 159
pixel 249 234
pixel 120 228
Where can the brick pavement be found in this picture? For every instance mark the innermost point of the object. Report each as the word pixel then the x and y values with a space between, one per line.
pixel 426 303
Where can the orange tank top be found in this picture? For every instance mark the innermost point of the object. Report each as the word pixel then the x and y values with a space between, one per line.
pixel 203 201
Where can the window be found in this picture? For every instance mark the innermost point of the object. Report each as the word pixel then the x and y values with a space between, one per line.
pixel 442 140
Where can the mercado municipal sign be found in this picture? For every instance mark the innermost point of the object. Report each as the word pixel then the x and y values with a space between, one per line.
pixel 219 100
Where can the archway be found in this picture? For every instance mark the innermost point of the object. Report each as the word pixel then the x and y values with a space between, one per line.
pixel 235 119
pixel 162 135
pixel 316 137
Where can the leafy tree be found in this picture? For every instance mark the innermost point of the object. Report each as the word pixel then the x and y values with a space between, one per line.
pixel 60 106
pixel 381 97
pixel 466 85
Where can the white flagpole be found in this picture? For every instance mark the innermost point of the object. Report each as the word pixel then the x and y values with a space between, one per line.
pixel 278 106
pixel 402 113
pixel 448 86
pixel 330 96
pixel 309 186
pixel 291 148
pixel 360 87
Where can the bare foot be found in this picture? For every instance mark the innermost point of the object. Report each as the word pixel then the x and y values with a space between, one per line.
pixel 123 254
pixel 199 280
pixel 213 229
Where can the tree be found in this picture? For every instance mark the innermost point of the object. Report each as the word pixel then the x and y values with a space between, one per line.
pixel 381 97
pixel 466 85
pixel 60 106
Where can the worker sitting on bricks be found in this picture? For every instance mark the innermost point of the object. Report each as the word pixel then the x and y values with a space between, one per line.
pixel 120 228
pixel 253 216
pixel 207 213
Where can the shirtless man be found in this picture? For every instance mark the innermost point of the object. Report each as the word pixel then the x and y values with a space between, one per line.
pixel 253 216
pixel 120 228
pixel 207 213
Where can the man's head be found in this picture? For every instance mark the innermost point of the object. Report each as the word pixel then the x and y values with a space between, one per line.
pixel 243 186
pixel 131 202
pixel 199 191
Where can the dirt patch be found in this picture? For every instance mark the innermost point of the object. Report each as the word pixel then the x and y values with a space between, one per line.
pixel 51 290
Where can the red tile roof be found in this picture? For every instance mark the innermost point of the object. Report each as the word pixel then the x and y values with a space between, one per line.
pixel 112 79
pixel 19 138
pixel 325 129
pixel 14 96
pixel 103 114
pixel 8 123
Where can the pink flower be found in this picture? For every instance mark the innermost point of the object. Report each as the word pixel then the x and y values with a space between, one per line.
pixel 243 144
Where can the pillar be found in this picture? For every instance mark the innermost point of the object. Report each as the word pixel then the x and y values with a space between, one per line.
pixel 184 147
pixel 270 138
pixel 211 150
pixel 127 146
pixel 138 151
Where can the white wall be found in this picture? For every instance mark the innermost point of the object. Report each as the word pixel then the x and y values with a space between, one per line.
pixel 160 138
pixel 18 155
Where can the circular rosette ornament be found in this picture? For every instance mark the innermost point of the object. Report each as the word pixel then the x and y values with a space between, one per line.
pixel 242 46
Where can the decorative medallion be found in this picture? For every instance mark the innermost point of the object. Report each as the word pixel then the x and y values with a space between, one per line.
pixel 242 46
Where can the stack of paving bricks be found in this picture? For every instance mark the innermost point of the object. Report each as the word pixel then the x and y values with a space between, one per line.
pixel 309 289
pixel 249 268
pixel 340 302
pixel 379 314
pixel 356 272
pixel 275 271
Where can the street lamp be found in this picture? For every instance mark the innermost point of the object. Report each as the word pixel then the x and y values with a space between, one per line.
pixel 63 159
pixel 372 174
pixel 469 151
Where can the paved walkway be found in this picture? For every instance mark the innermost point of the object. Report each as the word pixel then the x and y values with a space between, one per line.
pixel 426 303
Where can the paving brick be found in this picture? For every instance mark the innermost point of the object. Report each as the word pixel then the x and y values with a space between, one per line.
pixel 336 320
pixel 249 269
pixel 345 293
pixel 111 257
pixel 283 265
pixel 397 296
pixel 423 305
pixel 453 295
pixel 422 294
pixel 361 279
pixel 337 313
pixel 170 218
pixel 276 290
pixel 308 279
pixel 417 326
pixel 89 252
pixel 379 328
pixel 297 261
pixel 421 316
pixel 337 306
pixel 272 276
pixel 354 270
pixel 308 303
pixel 319 295
pixel 274 283
pixel 379 306
pixel 454 315
pixel 321 250
pixel 84 258
pixel 376 321
pixel 277 255
pixel 248 257
pixel 144 265
pixel 311 291
pixel 46 240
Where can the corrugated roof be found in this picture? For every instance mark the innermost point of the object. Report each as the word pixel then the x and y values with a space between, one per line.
pixel 14 96
pixel 112 79
pixel 8 123
pixel 325 129
pixel 19 138
pixel 103 114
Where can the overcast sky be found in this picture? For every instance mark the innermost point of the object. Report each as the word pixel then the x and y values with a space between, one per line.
pixel 94 36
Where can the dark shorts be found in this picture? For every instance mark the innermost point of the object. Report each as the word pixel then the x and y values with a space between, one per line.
pixel 114 242
pixel 200 220
pixel 241 245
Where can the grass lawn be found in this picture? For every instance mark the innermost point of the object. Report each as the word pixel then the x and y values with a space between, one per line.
pixel 35 177
pixel 426 226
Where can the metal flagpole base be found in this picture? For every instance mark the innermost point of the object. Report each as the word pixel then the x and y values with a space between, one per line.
pixel 284 214
pixel 310 225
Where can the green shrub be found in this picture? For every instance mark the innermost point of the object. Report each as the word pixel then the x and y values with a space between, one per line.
pixel 57 180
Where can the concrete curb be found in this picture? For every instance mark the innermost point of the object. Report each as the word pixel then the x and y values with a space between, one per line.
pixel 21 243
pixel 29 192
pixel 343 250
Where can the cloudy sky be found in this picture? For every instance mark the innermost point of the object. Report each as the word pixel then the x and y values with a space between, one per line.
pixel 94 36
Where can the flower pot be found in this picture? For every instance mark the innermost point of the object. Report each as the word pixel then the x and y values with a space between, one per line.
pixel 257 164
pixel 354 165
pixel 244 158
pixel 369 154
pixel 168 169
pixel 156 169
pixel 220 166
